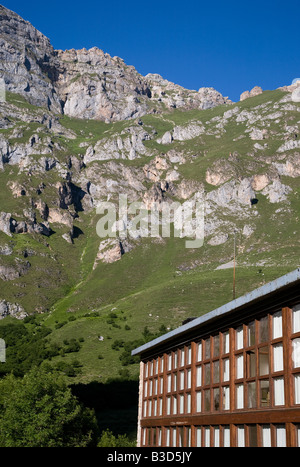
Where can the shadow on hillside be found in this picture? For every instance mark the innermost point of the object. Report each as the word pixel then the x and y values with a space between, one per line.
pixel 115 404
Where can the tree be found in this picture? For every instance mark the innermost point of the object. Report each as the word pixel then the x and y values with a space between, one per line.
pixel 39 410
pixel 109 440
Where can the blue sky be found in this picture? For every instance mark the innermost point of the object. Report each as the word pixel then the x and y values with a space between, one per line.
pixel 229 45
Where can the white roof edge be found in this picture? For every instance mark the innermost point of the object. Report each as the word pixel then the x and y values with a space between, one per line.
pixel 264 290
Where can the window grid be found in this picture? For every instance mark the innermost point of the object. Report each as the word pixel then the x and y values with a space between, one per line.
pixel 206 376
pixel 233 435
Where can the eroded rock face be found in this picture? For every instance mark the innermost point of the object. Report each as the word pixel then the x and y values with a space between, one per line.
pixel 87 84
pixel 94 85
pixel 254 92
pixel 11 309
pixel 28 62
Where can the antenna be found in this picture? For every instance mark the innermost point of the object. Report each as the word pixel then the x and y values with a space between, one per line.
pixel 234 245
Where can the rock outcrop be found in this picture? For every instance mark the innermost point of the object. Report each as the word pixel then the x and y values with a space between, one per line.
pixel 87 84
pixel 254 92
pixel 11 309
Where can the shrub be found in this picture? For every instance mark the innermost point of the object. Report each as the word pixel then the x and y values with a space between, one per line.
pixel 109 440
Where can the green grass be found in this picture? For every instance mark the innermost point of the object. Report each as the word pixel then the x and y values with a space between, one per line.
pixel 157 283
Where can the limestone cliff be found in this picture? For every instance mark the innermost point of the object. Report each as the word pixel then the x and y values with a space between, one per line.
pixel 88 84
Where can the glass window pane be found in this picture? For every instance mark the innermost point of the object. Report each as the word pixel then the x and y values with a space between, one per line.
pixel 149 408
pixel 175 382
pixel 198 401
pixel 168 405
pixel 188 403
pixel 278 357
pixel 263 360
pixel 240 436
pixel 296 353
pixel 198 376
pixel 207 437
pixel 146 370
pixel 296 318
pixel 182 357
pixel 239 396
pixel 175 360
pixel 169 383
pixel 297 389
pixel 216 398
pixel 252 430
pixel 216 371
pixel 174 405
pixel 226 437
pixel 181 375
pixel 189 379
pixel 144 433
pixel 278 391
pixel 280 436
pixel 266 436
pixel 199 352
pixel 180 436
pixel 226 398
pixel 226 369
pixel 264 330
pixel 174 435
pixel 216 346
pixel 251 333
pixel 167 436
pixel 277 324
pixel 298 435
pixel 217 437
pixel 239 338
pixel 198 437
pixel 251 395
pixel 207 348
pixel 251 364
pixel 226 342
pixel 160 406
pixel 239 366
pixel 154 436
pixel 189 436
pixel 264 393
pixel 169 362
pixel 207 400
pixel 207 373
pixel 181 403
pixel 189 355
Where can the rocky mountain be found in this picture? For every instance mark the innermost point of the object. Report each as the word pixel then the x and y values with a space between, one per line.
pixel 84 83
pixel 78 128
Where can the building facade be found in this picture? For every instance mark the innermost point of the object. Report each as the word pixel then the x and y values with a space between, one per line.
pixel 230 378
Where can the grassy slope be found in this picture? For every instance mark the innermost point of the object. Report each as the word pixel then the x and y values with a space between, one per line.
pixel 155 283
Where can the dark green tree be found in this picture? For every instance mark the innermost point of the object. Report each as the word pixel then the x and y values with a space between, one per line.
pixel 39 410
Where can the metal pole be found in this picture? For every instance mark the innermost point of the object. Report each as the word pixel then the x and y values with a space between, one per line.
pixel 234 267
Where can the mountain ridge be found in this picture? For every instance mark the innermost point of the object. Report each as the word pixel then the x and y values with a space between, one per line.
pixel 175 146
pixel 85 83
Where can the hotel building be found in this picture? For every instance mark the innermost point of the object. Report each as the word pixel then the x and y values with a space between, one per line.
pixel 229 378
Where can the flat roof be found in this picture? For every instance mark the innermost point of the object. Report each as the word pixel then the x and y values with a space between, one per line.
pixel 287 280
